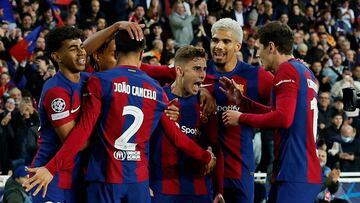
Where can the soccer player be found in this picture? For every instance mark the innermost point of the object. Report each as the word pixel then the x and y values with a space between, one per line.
pixel 293 115
pixel 122 107
pixel 174 176
pixel 60 101
pixel 255 82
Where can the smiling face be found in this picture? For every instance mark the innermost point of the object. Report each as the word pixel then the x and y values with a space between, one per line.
pixel 223 47
pixel 71 55
pixel 191 75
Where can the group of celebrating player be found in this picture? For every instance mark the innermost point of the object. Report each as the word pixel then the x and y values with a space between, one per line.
pixel 126 149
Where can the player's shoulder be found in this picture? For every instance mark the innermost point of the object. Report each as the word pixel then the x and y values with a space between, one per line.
pixel 55 82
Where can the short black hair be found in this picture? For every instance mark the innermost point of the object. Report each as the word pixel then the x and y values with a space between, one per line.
pixel 278 33
pixel 187 53
pixel 124 44
pixel 55 38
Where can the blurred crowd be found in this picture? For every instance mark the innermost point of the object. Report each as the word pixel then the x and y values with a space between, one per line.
pixel 327 38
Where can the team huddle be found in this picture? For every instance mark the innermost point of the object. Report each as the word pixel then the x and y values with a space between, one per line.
pixel 118 136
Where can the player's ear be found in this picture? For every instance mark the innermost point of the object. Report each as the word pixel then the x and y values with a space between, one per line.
pixel 179 70
pixel 141 55
pixel 56 57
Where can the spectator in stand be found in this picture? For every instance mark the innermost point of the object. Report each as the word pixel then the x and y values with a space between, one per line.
pixel 350 150
pixel 101 24
pixel 332 133
pixel 347 14
pixel 297 19
pixel 282 8
pixel 26 22
pixel 349 61
pixel 168 53
pixel 356 73
pixel 14 192
pixel 237 13
pixel 180 24
pixel 309 17
pixel 330 181
pixel 154 12
pixel 250 25
pixel 15 93
pixel 325 112
pixel 345 82
pixel 323 81
pixel 93 13
pixel 335 71
pixel 155 33
pixel 284 18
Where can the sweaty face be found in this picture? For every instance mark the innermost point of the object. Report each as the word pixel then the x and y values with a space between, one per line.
pixel 106 60
pixel 72 55
pixel 223 47
pixel 194 73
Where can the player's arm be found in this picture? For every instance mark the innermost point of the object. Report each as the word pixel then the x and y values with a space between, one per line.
pixel 97 39
pixel 163 74
pixel 286 90
pixel 77 138
pixel 181 141
pixel 56 103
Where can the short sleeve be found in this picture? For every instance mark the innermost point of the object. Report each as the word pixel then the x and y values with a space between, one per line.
pixel 57 102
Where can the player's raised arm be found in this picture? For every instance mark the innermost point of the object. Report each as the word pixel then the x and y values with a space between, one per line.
pixel 97 39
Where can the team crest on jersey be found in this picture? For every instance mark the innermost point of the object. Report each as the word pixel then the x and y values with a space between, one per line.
pixel 58 105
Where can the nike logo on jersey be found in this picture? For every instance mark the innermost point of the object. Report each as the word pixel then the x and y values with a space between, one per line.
pixel 75 110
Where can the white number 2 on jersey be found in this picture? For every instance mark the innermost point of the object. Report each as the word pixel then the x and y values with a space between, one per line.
pixel 314 107
pixel 122 143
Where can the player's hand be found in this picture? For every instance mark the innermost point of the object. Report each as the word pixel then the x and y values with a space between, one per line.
pixel 42 178
pixel 207 102
pixel 134 29
pixel 231 90
pixel 231 117
pixel 211 165
pixel 219 198
pixel 172 111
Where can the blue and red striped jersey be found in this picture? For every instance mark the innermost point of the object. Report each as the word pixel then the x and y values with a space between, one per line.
pixel 293 115
pixel 236 141
pixel 121 107
pixel 171 170
pixel 135 102
pixel 295 147
pixel 59 104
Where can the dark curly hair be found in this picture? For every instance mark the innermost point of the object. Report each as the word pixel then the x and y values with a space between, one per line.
pixel 55 38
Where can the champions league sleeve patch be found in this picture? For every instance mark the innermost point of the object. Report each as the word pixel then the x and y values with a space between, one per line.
pixel 58 105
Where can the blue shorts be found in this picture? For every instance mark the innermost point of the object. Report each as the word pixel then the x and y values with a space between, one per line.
pixel 294 192
pixel 162 198
pixel 54 194
pixel 239 190
pixel 117 193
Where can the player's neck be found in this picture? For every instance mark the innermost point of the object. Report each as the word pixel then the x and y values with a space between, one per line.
pixel 128 60
pixel 281 58
pixel 229 66
pixel 73 77
pixel 178 89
